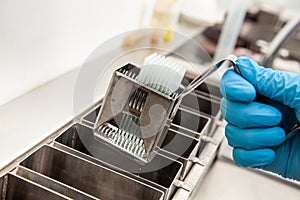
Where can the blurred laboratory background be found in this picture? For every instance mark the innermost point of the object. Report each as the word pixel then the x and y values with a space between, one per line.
pixel 41 40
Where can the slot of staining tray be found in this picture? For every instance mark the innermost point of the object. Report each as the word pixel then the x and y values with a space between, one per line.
pixel 209 91
pixel 52 184
pixel 15 187
pixel 88 177
pixel 181 148
pixel 205 105
pixel 190 123
pixel 161 172
pixel 92 115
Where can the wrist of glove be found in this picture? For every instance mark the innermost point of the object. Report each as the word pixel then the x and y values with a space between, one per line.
pixel 253 128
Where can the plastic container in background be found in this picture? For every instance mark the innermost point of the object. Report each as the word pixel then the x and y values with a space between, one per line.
pixel 231 28
pixel 160 14
pixel 203 12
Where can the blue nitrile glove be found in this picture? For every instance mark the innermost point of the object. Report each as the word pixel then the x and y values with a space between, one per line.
pixel 253 128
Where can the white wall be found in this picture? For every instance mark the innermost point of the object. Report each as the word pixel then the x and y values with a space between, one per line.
pixel 42 39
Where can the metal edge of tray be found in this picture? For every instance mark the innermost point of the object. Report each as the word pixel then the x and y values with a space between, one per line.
pixel 200 167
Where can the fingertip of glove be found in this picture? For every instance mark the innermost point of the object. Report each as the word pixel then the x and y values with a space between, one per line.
pixel 236 88
pixel 245 61
pixel 253 158
pixel 248 68
pixel 279 135
pixel 272 113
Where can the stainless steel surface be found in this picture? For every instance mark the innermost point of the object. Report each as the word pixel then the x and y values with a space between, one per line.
pixel 88 177
pixel 283 35
pixel 202 165
pixel 100 162
pixel 15 187
pixel 167 171
pixel 191 123
pixel 180 147
pixel 202 104
pixel 52 184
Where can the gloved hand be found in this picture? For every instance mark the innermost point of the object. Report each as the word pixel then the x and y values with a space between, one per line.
pixel 253 128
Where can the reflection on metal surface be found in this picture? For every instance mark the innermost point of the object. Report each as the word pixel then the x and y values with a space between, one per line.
pixel 52 184
pixel 15 187
pixel 88 177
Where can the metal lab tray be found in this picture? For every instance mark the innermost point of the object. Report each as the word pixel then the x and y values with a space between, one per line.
pixel 180 147
pixel 72 164
pixel 52 184
pixel 163 178
pixel 88 177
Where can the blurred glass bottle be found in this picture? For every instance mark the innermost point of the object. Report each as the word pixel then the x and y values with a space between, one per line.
pixel 162 14
pixel 165 15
